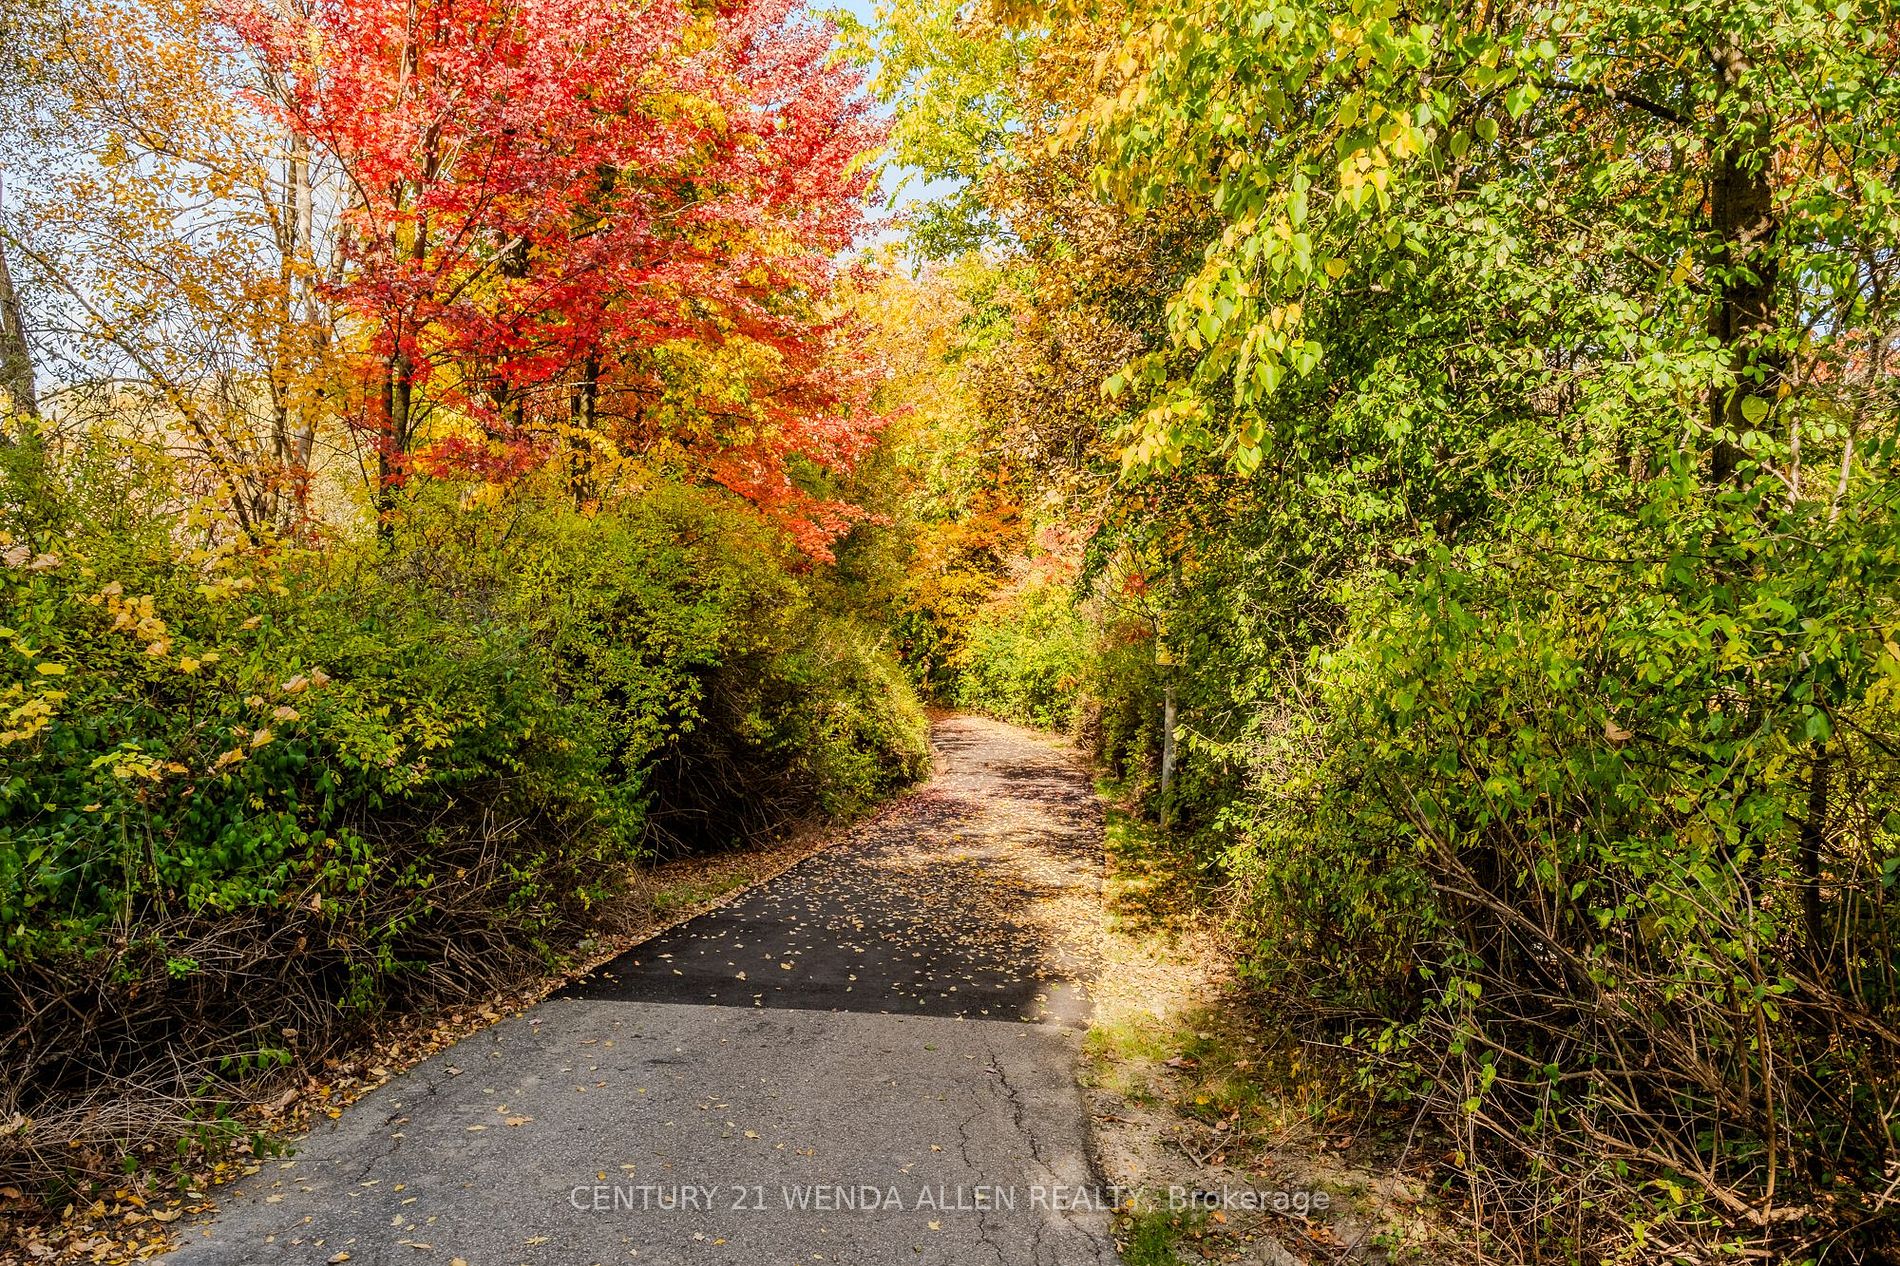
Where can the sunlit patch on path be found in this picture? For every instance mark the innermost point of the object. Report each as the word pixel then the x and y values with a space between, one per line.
pixel 977 897
pixel 895 1017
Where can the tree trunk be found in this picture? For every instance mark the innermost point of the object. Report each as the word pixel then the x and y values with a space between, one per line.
pixel 1812 840
pixel 1743 265
pixel 16 358
pixel 398 397
pixel 307 304
pixel 584 414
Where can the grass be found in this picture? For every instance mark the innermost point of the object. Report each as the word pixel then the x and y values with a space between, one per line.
pixel 1208 1075
pixel 1156 886
pixel 1150 1237
pixel 1227 1065
pixel 687 894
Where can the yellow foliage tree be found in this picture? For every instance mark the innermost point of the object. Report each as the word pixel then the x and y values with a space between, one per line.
pixel 177 241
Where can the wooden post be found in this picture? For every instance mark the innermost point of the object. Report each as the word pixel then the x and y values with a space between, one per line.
pixel 1167 748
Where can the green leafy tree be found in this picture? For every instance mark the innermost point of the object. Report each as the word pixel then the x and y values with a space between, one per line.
pixel 1512 418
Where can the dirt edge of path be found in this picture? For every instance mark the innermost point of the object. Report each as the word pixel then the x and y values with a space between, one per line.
pixel 1219 1121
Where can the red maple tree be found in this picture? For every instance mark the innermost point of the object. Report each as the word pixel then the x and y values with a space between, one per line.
pixel 577 227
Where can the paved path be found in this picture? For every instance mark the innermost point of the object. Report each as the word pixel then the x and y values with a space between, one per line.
pixel 890 1025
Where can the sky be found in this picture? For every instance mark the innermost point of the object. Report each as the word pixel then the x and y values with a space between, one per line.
pixel 905 182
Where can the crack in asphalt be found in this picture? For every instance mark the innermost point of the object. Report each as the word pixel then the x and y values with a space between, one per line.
pixel 1018 1110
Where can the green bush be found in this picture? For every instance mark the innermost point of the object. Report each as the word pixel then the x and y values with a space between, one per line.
pixel 1586 833
pixel 811 719
pixel 205 728
pixel 257 789
pixel 1583 832
pixel 1023 657
pixel 1601 845
pixel 1121 705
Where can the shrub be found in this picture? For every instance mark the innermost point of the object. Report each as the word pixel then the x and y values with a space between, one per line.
pixel 256 792
pixel 811 719
pixel 1589 846
pixel 1602 849
pixel 1583 833
pixel 1023 657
